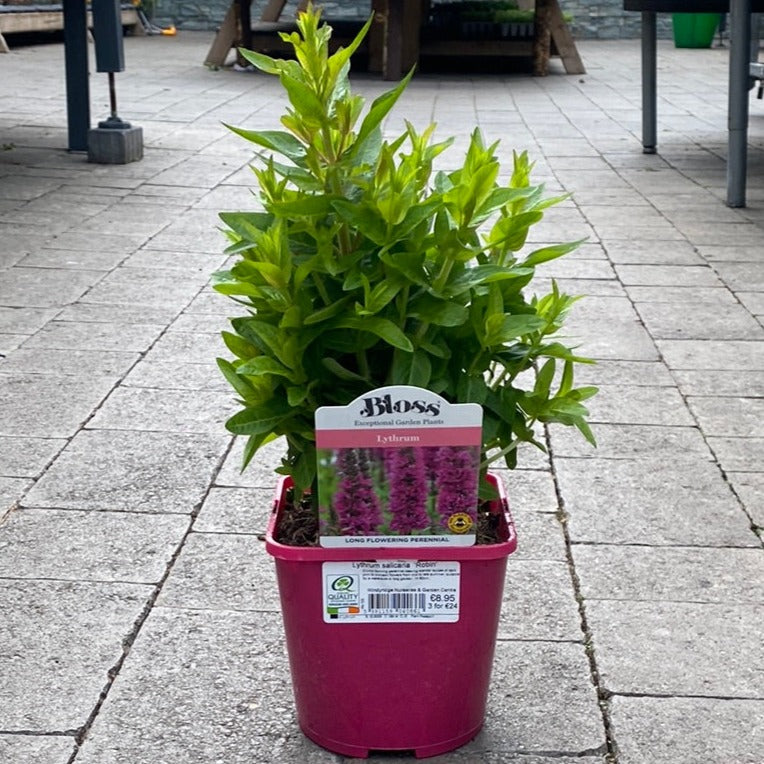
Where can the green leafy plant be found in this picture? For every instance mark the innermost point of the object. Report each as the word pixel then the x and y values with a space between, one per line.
pixel 365 267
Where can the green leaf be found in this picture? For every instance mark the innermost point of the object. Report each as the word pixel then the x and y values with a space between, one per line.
pixel 470 389
pixel 411 369
pixel 304 205
pixel 361 217
pixel 545 254
pixel 239 346
pixel 336 368
pixel 324 314
pixel 544 378
pixel 239 384
pixel 296 396
pixel 276 140
pixel 439 312
pixel 381 327
pixel 265 365
pixel 253 444
pixel 340 59
pixel 380 109
pixel 259 420
pixel 503 328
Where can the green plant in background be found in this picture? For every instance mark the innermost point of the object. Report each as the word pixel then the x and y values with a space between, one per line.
pixel 365 267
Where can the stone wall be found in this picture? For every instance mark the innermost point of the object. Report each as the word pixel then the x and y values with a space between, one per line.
pixel 601 19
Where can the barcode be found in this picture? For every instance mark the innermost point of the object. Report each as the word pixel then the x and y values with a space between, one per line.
pixel 397 601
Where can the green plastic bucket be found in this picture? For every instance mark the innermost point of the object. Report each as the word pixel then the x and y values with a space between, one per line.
pixel 694 30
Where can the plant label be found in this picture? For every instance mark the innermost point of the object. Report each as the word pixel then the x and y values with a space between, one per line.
pixel 398 467
pixel 389 591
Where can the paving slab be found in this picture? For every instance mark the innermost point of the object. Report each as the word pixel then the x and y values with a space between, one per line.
pixel 713 354
pixel 131 471
pixel 649 502
pixel 90 241
pixel 678 648
pixel 94 546
pixel 177 376
pixel 202 686
pixel 638 404
pixel 40 749
pixel 541 700
pixel 88 335
pixel 728 417
pixel 119 313
pixel 43 406
pixel 24 320
pixel 46 654
pixel 139 286
pixel 45 287
pixel 539 603
pixel 731 252
pixel 539 537
pixel 81 259
pixel 607 372
pixel 165 410
pixel 745 384
pixel 640 252
pixel 235 510
pixel 754 301
pixel 218 571
pixel 632 441
pixel 11 491
pixel 738 454
pixel 701 275
pixel 69 362
pixel 260 472
pixel 21 456
pixel 682 294
pixel 188 347
pixel 609 328
pixel 670 574
pixel 201 262
pixel 699 321
pixel 749 486
pixel 714 731
pixel 742 276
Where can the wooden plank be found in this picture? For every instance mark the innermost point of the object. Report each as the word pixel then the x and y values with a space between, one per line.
pixel 224 40
pixel 48 21
pixel 563 41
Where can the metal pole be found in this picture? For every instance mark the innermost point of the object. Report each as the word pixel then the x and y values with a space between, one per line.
pixel 76 68
pixel 737 114
pixel 649 83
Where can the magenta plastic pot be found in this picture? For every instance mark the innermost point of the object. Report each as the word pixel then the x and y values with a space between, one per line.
pixel 382 686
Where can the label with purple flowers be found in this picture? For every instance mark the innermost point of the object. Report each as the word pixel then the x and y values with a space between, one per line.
pixel 398 466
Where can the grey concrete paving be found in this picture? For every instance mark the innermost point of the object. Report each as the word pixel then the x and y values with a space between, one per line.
pixel 140 618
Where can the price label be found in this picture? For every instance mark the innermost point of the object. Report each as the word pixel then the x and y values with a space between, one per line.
pixel 389 591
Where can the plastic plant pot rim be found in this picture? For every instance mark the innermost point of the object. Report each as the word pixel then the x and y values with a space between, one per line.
pixel 324 554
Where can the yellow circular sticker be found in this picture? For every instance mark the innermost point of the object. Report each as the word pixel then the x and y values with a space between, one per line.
pixel 460 522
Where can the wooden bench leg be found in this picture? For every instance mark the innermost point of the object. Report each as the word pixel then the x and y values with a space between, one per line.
pixel 563 41
pixel 224 40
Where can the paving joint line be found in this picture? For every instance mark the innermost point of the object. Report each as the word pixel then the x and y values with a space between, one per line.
pixel 603 695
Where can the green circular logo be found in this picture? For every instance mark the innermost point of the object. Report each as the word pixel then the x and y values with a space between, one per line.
pixel 342 584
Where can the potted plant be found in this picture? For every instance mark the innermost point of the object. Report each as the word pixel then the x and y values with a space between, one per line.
pixel 365 268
